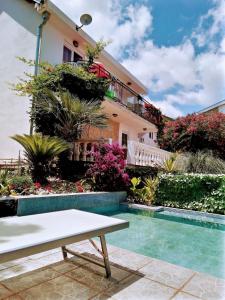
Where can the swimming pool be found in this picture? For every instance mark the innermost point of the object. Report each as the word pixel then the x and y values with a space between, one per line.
pixel 195 243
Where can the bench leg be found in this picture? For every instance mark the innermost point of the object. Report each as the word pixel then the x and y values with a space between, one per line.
pixel 64 252
pixel 105 256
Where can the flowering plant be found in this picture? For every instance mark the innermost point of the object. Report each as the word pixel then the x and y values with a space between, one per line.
pixel 107 171
pixel 195 132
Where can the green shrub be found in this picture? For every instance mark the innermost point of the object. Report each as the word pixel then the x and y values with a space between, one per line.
pixel 21 183
pixel 192 191
pixel 142 172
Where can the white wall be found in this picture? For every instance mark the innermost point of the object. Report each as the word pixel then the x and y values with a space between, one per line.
pixel 18 23
pixel 222 108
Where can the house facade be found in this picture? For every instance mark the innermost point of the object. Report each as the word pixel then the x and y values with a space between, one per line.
pixel 217 107
pixel 61 43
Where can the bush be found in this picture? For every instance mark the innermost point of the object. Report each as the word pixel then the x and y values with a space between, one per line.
pixel 195 132
pixel 192 191
pixel 141 171
pixel 107 171
pixel 203 162
pixel 20 184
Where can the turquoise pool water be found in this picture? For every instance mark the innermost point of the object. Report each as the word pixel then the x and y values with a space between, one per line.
pixel 196 244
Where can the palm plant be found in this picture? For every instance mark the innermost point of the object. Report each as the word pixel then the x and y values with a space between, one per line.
pixel 39 152
pixel 73 116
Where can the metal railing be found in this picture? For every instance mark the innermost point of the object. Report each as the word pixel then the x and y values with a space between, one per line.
pixel 118 91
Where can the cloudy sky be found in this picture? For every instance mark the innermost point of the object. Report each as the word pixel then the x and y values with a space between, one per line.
pixel 175 47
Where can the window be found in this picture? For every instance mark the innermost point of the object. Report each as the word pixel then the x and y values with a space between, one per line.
pixel 76 57
pixel 124 140
pixel 151 135
pixel 67 53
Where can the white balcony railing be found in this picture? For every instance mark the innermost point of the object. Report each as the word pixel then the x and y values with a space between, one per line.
pixel 145 155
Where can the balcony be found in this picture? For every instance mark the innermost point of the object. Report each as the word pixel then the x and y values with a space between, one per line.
pixel 122 93
pixel 137 153
pixel 145 155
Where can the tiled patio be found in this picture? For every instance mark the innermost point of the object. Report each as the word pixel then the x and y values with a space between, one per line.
pixel 46 276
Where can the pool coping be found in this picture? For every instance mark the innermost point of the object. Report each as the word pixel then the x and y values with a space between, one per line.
pixel 175 210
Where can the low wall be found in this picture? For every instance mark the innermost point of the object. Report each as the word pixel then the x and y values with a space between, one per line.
pixel 99 202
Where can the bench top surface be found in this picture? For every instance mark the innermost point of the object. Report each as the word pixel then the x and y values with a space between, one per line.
pixel 22 232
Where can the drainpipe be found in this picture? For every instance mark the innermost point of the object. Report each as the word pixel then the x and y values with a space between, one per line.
pixel 45 18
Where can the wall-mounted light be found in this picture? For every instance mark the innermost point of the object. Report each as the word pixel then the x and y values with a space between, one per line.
pixel 85 19
pixel 144 129
pixel 114 115
pixel 76 44
pixel 129 83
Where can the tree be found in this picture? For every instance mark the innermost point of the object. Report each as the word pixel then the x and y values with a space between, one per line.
pixel 72 115
pixel 39 152
pixel 195 132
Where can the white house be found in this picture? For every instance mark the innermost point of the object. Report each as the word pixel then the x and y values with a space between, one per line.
pixel 61 42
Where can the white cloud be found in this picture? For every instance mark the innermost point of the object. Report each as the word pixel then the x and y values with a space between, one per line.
pixel 216 16
pixel 125 27
pixel 193 78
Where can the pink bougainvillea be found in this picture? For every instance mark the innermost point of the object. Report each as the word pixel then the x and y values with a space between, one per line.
pixel 195 132
pixel 107 171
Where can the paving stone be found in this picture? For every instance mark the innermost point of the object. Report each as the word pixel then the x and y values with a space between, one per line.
pixel 206 287
pixel 29 279
pixel 166 273
pixel 135 287
pixel 59 288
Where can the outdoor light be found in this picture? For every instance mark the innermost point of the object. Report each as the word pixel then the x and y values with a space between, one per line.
pixel 144 129
pixel 75 43
pixel 114 115
pixel 85 19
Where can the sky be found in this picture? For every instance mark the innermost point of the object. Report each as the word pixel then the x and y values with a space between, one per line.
pixel 175 47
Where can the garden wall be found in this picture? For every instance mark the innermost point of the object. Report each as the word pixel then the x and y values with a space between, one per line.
pixel 192 191
pixel 93 202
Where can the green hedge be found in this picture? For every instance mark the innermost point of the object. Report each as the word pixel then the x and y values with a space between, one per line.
pixel 192 191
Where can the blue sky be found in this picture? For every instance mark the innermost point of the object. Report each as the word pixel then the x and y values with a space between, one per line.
pixel 175 47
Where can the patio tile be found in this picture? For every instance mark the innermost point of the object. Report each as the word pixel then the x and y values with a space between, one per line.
pixel 59 288
pixel 12 263
pixel 88 248
pixel 94 276
pixel 13 297
pixel 4 292
pixel 206 287
pixel 68 265
pixel 25 281
pixel 184 296
pixel 25 267
pixel 135 287
pixel 50 259
pixel 102 296
pixel 43 254
pixel 166 273
pixel 129 260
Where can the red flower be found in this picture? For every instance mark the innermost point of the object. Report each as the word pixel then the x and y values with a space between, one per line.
pixel 37 185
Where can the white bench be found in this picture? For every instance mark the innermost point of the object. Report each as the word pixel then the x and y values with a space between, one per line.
pixel 27 235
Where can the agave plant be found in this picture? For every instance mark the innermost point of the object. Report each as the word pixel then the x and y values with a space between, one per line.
pixel 39 151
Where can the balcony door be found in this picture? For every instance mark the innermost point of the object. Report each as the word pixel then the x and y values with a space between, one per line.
pixel 124 140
